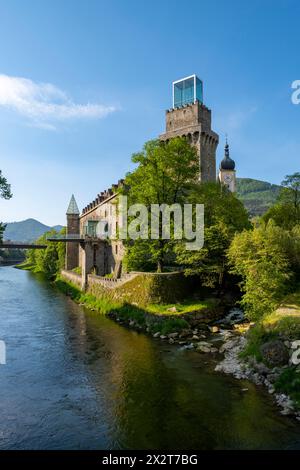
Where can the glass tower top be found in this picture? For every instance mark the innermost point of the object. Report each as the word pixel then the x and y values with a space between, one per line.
pixel 187 90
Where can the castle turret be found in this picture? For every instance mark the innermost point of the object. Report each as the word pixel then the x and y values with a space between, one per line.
pixel 190 118
pixel 72 248
pixel 227 170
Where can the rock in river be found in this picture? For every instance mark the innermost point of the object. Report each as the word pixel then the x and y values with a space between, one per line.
pixel 275 353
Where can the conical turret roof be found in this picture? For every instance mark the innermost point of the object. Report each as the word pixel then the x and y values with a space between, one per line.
pixel 73 208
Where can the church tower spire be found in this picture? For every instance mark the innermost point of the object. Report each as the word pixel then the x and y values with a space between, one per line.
pixel 227 174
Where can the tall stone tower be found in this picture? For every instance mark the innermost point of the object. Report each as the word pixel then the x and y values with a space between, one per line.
pixel 227 170
pixel 72 248
pixel 190 118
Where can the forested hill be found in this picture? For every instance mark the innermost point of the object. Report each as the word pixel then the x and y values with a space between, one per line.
pixel 257 195
pixel 27 230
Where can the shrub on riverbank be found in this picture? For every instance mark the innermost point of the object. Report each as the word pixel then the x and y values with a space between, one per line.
pixel 289 383
pixel 142 317
pixel 284 323
pixel 268 260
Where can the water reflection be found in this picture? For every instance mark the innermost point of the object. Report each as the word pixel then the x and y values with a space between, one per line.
pixel 75 379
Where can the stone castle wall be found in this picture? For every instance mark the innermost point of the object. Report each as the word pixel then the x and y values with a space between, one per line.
pixel 193 121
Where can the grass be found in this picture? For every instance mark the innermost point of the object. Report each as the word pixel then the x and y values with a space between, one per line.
pixel 187 306
pixel 77 270
pixel 101 304
pixel 25 265
pixel 170 325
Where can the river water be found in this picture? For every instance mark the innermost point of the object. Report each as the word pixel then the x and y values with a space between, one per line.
pixel 74 379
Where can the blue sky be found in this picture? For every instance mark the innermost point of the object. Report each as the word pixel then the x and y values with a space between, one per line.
pixel 108 68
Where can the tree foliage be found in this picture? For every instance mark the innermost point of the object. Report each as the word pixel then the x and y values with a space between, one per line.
pixel 224 215
pixel 164 175
pixel 49 260
pixel 268 260
pixel 5 193
pixel 286 211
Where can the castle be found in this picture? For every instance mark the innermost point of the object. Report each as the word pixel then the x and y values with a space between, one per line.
pixel 188 118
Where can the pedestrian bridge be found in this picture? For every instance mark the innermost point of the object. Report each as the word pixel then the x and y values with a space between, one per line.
pixel 22 246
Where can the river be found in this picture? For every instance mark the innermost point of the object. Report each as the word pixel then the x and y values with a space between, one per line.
pixel 74 379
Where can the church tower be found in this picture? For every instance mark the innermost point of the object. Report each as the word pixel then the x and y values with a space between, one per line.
pixel 72 248
pixel 190 118
pixel 227 170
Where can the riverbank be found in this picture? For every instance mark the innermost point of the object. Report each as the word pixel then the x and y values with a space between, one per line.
pixel 180 320
pixel 268 354
pixel 265 353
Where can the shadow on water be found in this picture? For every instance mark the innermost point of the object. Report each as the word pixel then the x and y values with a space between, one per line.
pixel 76 379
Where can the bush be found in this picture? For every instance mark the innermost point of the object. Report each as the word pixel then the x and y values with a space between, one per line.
pixel 256 337
pixel 266 259
pixel 289 383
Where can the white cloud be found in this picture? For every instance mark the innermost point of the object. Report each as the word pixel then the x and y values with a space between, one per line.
pixel 43 104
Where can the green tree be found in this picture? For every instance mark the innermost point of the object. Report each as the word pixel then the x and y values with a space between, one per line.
pixel 5 193
pixel 291 190
pixel 49 260
pixel 286 211
pixel 164 175
pixel 267 259
pixel 224 215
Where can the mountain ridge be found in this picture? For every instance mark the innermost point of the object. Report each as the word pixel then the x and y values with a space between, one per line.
pixel 257 195
pixel 27 230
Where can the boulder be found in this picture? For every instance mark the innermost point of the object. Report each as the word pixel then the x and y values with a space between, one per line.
pixel 172 309
pixel 214 329
pixel 156 335
pixel 173 335
pixel 203 349
pixel 204 343
pixel 275 353
pixel 214 350
pixel 185 333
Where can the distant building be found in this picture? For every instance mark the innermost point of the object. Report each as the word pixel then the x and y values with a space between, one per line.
pixel 227 171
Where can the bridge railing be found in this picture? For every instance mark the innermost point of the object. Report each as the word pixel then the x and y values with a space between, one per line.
pixel 73 236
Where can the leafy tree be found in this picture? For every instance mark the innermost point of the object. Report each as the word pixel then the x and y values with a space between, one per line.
pixel 5 193
pixel 286 211
pixel 49 260
pixel 5 190
pixel 267 259
pixel 291 190
pixel 224 215
pixel 164 175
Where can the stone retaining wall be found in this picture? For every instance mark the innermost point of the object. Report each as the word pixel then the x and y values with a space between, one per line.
pixel 138 288
pixel 71 277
